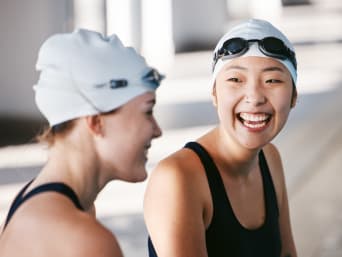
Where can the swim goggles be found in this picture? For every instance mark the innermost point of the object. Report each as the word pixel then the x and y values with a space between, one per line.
pixel 269 46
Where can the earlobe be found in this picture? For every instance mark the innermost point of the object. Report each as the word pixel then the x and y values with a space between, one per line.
pixel 213 95
pixel 94 124
pixel 294 97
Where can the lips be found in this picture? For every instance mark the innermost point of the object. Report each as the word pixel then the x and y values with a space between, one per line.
pixel 146 149
pixel 254 120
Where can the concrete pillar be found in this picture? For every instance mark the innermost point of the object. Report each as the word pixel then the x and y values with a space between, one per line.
pixel 157 34
pixel 124 19
pixel 90 14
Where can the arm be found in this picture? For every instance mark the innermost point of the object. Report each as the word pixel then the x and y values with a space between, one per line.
pixel 173 211
pixel 276 168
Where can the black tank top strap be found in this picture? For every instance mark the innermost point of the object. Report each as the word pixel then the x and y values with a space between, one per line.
pixel 216 186
pixel 55 187
pixel 15 204
pixel 151 250
pixel 271 196
pixel 49 187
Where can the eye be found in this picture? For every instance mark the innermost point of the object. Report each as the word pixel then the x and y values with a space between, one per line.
pixel 233 79
pixel 149 112
pixel 273 81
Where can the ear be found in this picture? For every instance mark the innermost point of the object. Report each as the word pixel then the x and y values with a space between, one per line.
pixel 294 97
pixel 213 95
pixel 95 125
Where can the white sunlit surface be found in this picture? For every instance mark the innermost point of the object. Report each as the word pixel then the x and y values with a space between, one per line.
pixel 89 14
pixel 119 20
pixel 157 42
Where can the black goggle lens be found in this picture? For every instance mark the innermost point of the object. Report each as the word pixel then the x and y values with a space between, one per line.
pixel 270 46
pixel 273 45
pixel 234 46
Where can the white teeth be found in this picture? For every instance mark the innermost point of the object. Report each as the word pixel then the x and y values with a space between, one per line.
pixel 254 117
pixel 256 125
pixel 254 121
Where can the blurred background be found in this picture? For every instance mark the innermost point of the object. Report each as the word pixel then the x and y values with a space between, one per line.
pixel 178 37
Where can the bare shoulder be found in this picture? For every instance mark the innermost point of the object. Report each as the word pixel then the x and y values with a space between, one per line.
pixel 272 155
pixel 179 178
pixel 180 160
pixel 87 237
pixel 53 225
pixel 181 167
pixel 275 165
pixel 176 204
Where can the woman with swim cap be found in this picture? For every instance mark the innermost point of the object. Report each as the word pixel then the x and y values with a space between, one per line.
pixel 224 194
pixel 98 97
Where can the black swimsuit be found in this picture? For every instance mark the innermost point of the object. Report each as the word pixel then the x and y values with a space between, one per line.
pixel 49 187
pixel 225 235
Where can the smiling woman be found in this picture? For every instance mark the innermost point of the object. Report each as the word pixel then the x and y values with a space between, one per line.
pixel 98 97
pixel 226 193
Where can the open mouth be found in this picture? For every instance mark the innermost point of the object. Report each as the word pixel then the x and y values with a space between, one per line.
pixel 147 147
pixel 254 120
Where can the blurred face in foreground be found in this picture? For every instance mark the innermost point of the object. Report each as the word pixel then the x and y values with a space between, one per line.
pixel 126 137
pixel 253 97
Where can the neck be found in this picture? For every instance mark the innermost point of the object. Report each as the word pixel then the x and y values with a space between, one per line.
pixel 233 157
pixel 78 168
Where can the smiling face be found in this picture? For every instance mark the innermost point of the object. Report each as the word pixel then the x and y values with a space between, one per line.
pixel 253 96
pixel 126 137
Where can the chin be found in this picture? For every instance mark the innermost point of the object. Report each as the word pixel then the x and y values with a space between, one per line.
pixel 139 176
pixel 254 144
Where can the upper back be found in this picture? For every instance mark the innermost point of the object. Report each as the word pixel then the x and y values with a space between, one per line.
pixel 49 224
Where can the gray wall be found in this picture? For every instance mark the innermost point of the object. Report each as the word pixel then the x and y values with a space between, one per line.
pixel 24 25
pixel 197 24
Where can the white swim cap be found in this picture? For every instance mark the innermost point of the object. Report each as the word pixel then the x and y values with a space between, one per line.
pixel 255 29
pixel 85 73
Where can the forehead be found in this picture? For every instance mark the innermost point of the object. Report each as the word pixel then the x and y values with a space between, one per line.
pixel 145 98
pixel 255 63
pixel 135 105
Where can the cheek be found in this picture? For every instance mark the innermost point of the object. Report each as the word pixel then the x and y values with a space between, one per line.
pixel 282 100
pixel 282 106
pixel 225 103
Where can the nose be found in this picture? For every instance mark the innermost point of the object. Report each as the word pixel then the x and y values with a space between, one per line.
pixel 254 95
pixel 157 132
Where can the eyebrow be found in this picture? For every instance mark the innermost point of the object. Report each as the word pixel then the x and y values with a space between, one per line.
pixel 152 101
pixel 273 68
pixel 237 67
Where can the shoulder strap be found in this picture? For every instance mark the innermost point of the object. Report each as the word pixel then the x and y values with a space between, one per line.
pixel 269 191
pixel 55 187
pixel 16 202
pixel 49 187
pixel 218 192
pixel 151 250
